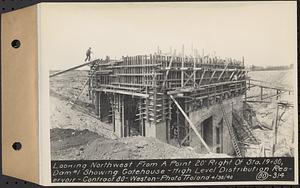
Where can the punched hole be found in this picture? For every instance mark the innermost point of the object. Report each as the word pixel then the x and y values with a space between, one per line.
pixel 17 146
pixel 16 43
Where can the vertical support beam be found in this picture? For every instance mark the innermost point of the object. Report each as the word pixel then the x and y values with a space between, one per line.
pixel 191 124
pixel 141 129
pixel 182 66
pixel 122 115
pixel 246 94
pixel 154 98
pixel 168 70
pixel 113 113
pixel 97 104
pixel 118 116
pixel 194 61
pixel 275 130
pixel 261 93
pixel 249 86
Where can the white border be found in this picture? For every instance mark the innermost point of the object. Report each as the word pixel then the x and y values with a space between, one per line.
pixel 44 125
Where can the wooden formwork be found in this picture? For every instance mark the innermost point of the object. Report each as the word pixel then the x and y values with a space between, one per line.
pixel 152 79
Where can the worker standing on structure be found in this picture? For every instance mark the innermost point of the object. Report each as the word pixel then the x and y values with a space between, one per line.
pixel 88 54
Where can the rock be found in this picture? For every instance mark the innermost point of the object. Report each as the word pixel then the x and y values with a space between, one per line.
pixel 283 152
pixel 77 153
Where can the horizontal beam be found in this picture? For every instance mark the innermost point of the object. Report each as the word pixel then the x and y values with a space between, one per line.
pixel 123 92
pixel 271 87
pixel 133 66
pixel 191 89
pixel 193 69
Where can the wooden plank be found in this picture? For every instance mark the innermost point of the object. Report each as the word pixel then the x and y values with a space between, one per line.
pixel 189 78
pixel 212 76
pixel 167 73
pixel 123 92
pixel 272 87
pixel 73 68
pixel 182 66
pixel 202 76
pixel 223 71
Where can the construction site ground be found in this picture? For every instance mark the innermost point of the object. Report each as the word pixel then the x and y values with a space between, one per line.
pixel 266 113
pixel 76 133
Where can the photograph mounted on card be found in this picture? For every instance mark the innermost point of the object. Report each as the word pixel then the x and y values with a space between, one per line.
pixel 195 93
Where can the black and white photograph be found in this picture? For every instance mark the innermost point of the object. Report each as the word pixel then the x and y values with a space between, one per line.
pixel 155 81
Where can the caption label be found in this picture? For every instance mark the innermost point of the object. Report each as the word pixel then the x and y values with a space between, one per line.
pixel 174 170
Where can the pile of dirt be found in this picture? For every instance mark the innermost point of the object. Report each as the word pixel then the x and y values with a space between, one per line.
pixel 69 144
pixel 64 117
pixel 68 84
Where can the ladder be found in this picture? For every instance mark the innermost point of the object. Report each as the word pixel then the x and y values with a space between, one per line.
pixel 91 73
pixel 231 132
pixel 245 127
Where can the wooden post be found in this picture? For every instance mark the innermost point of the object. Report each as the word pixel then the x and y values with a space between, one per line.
pixel 246 95
pixel 194 61
pixel 97 104
pixel 275 130
pixel 121 98
pixel 249 84
pixel 278 92
pixel 202 76
pixel 182 66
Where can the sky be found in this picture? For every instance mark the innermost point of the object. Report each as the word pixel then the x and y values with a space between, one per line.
pixel 264 33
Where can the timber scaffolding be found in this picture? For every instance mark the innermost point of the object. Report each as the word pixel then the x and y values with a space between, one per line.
pixel 149 95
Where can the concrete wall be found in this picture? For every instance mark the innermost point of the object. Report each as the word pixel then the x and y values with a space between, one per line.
pixel 161 131
pixel 158 130
pixel 150 130
pixel 214 111
pixel 118 124
pixel 118 117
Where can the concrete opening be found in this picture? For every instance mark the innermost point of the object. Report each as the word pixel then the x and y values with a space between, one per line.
pixel 103 107
pixel 132 124
pixel 219 137
pixel 207 131
pixel 105 110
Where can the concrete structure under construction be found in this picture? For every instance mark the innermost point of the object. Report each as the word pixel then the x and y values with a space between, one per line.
pixel 181 100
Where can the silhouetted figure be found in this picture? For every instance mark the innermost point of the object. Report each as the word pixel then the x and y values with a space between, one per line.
pixel 88 54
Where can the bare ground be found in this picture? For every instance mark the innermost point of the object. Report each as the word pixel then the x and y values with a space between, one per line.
pixel 266 113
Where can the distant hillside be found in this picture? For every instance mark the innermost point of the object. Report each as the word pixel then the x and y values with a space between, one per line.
pixel 279 77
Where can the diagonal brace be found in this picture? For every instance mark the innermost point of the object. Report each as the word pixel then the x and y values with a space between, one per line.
pixel 191 124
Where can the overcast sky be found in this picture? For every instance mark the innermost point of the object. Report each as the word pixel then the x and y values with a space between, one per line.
pixel 263 32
